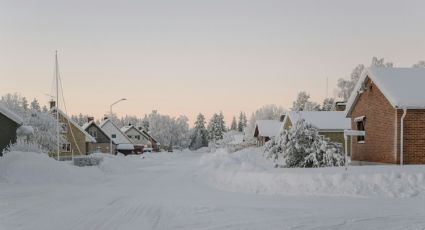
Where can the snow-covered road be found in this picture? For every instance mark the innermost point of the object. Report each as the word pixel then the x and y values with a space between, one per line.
pixel 167 191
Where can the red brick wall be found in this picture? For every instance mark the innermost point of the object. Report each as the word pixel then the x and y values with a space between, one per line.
pixel 414 136
pixel 380 126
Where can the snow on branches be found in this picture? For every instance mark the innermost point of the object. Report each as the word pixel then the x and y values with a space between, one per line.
pixel 302 146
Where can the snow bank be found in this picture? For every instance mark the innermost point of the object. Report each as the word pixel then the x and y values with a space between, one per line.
pixel 248 171
pixel 38 168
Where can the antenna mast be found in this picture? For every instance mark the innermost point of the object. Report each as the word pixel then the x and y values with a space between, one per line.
pixel 57 102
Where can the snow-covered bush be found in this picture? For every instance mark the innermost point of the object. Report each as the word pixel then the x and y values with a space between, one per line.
pixel 302 146
pixel 24 146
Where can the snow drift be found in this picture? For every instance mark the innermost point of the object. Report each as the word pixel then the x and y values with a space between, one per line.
pixel 38 168
pixel 249 171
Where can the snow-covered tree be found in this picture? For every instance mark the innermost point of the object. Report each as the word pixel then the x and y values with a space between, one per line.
pixel 243 122
pixel 311 106
pixel 328 104
pixel 345 87
pixel 234 124
pixel 43 122
pixel 302 146
pixel 35 105
pixel 300 103
pixel 199 137
pixel 145 123
pixel 215 128
pixel 80 119
pixel 420 64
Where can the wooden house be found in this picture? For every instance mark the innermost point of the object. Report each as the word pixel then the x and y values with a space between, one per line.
pixel 103 141
pixel 9 123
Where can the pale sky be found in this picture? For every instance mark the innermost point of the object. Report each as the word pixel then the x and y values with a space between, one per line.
pixel 186 57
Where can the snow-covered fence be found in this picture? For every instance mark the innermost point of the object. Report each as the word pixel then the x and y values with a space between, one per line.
pixel 89 160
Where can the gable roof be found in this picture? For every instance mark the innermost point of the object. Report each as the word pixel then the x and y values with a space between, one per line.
pixel 123 140
pixel 323 120
pixel 125 129
pixel 89 138
pixel 90 123
pixel 11 115
pixel 403 87
pixel 268 128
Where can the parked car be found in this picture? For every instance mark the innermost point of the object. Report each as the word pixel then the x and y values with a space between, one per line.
pixel 147 150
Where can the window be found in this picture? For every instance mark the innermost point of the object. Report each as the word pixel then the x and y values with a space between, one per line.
pixel 137 137
pixel 93 133
pixel 64 127
pixel 66 147
pixel 114 135
pixel 129 136
pixel 360 123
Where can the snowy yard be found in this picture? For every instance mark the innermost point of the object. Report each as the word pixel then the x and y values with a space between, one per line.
pixel 186 190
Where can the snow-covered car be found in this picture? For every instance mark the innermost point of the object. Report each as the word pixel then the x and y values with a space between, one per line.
pixel 147 150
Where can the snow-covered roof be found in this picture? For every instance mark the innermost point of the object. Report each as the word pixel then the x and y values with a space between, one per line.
pixel 403 87
pixel 89 138
pixel 268 128
pixel 127 128
pixel 110 128
pixel 323 120
pixel 88 124
pixel 11 115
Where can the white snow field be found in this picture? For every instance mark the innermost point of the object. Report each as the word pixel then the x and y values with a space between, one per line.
pixel 187 190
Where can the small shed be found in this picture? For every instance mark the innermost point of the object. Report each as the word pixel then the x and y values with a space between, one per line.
pixel 265 130
pixel 9 123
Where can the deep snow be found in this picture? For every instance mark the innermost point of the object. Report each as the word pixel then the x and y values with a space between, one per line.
pixel 185 190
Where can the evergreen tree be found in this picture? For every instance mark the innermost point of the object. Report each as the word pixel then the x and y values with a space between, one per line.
pixel 243 121
pixel 199 136
pixel 145 123
pixel 215 129
pixel 35 105
pixel 234 125
pixel 299 104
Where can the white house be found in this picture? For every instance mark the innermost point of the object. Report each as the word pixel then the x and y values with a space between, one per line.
pixel 124 144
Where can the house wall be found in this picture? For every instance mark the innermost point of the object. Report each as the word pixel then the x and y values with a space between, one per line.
pixel 101 137
pixel 80 138
pixel 380 126
pixel 414 136
pixel 288 123
pixel 143 141
pixel 102 147
pixel 7 132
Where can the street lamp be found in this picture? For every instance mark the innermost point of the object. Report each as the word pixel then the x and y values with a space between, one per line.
pixel 120 100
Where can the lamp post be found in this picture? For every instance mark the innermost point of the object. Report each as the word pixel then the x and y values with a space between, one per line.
pixel 120 100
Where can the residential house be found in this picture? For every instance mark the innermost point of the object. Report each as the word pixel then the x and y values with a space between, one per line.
pixel 123 143
pixel 154 144
pixel 265 130
pixel 103 141
pixel 137 137
pixel 76 137
pixel 389 105
pixel 9 123
pixel 330 124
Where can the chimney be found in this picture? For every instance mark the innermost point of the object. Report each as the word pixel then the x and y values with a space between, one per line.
pixel 340 105
pixel 89 119
pixel 52 104
pixel 282 117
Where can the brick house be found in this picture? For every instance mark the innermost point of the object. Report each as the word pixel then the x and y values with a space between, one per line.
pixel 103 142
pixel 9 123
pixel 265 130
pixel 330 124
pixel 75 136
pixel 389 105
